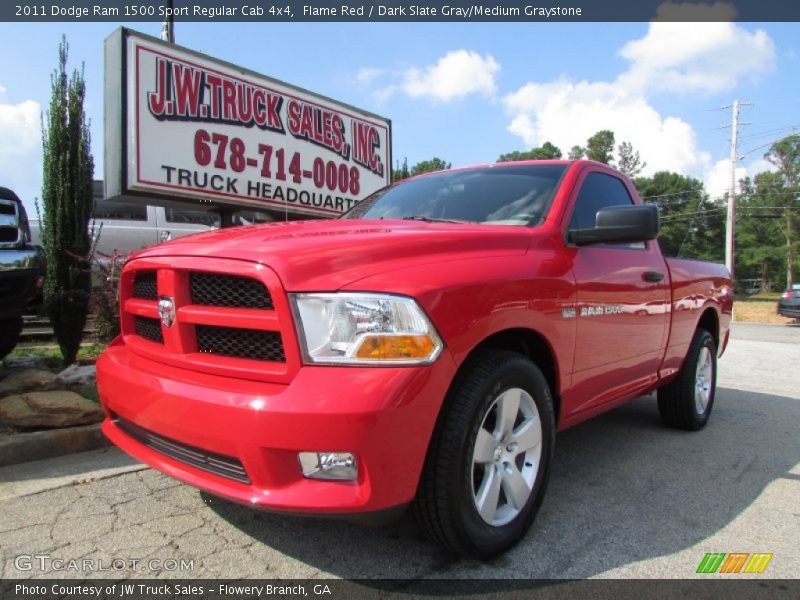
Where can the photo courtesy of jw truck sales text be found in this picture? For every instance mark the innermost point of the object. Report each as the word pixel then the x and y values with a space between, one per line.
pixel 181 125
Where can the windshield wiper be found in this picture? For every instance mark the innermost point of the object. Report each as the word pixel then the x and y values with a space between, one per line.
pixel 434 220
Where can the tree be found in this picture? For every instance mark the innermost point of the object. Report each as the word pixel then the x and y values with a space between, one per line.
pixel 68 169
pixel 785 154
pixel 576 152
pixel 760 241
pixel 428 166
pixel 692 225
pixel 401 172
pixel 628 160
pixel 544 152
pixel 600 147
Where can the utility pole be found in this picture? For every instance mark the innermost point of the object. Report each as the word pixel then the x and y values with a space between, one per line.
pixel 168 28
pixel 731 218
pixel 729 222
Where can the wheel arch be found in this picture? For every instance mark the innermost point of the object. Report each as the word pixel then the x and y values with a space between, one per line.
pixel 709 321
pixel 531 344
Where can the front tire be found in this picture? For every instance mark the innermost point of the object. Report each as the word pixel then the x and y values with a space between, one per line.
pixel 488 464
pixel 686 402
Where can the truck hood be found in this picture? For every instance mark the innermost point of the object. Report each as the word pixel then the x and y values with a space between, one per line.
pixel 327 255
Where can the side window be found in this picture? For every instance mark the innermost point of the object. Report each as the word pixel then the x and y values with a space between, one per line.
pixel 251 217
pixel 598 191
pixel 129 211
pixel 193 217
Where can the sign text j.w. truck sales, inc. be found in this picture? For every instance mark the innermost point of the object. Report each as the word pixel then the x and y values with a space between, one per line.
pixel 188 127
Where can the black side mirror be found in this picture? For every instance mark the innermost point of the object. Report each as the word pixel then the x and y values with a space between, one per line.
pixel 619 225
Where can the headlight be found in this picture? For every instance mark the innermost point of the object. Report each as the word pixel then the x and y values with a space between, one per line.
pixel 353 328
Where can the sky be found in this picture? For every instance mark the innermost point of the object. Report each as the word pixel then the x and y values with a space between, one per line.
pixel 468 92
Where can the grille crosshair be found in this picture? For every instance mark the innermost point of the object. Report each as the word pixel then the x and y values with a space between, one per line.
pixel 218 464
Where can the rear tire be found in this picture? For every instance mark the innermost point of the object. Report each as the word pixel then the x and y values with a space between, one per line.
pixel 686 402
pixel 10 330
pixel 488 463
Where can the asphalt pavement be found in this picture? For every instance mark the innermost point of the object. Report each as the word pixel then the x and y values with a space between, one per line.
pixel 627 498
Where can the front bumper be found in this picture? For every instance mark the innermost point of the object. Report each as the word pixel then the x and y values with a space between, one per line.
pixel 385 416
pixel 19 270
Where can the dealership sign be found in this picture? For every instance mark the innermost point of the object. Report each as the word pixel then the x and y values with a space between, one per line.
pixel 181 126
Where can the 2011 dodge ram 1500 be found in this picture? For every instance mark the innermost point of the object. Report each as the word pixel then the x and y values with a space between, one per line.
pixel 423 349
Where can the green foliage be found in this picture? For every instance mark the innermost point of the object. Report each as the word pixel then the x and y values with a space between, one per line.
pixel 628 160
pixel 428 166
pixel 105 298
pixel 785 154
pixel 544 152
pixel 401 172
pixel 692 225
pixel 600 147
pixel 68 169
pixel 576 153
pixel 760 241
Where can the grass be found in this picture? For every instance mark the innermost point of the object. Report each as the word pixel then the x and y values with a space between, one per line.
pixel 89 351
pixel 758 308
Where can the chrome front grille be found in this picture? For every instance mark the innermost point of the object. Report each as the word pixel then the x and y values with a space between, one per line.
pixel 10 232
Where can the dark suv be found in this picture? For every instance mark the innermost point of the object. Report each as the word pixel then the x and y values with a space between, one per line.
pixel 789 304
pixel 21 268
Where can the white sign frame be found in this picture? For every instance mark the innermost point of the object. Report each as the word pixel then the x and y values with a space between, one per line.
pixel 184 128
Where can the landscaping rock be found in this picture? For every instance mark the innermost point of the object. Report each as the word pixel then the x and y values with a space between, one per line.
pixel 48 409
pixel 75 376
pixel 26 362
pixel 37 380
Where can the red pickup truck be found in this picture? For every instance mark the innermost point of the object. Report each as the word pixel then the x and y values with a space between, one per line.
pixel 424 349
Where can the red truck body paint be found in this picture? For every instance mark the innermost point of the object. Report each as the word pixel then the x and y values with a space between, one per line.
pixel 609 336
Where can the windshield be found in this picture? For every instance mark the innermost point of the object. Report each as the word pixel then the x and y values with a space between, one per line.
pixel 498 195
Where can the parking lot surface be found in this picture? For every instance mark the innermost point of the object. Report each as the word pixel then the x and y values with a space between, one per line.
pixel 627 498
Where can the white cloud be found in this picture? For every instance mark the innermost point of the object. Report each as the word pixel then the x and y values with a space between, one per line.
pixel 20 152
pixel 760 165
pixel 457 74
pixel 677 57
pixel 717 178
pixel 568 113
pixel 696 57
pixel 368 74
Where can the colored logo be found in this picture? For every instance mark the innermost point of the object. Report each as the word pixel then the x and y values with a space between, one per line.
pixel 166 310
pixel 734 562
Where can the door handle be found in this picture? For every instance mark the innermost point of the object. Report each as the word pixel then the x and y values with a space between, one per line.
pixel 653 276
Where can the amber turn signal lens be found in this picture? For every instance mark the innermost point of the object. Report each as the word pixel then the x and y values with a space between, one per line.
pixel 389 347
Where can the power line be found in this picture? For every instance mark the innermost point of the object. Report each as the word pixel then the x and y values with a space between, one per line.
pixel 744 212
pixel 771 131
pixel 765 145
pixel 745 195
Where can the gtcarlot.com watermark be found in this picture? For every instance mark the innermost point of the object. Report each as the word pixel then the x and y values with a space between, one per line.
pixel 48 563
